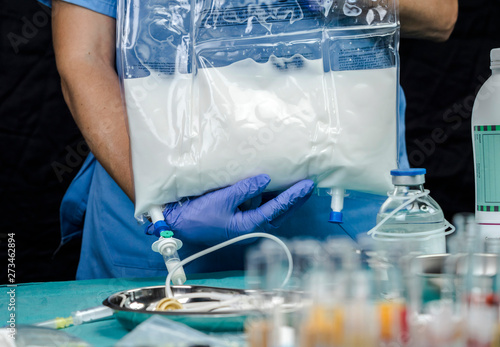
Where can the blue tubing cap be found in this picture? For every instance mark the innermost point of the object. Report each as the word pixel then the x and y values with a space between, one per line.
pixel 335 217
pixel 408 172
pixel 159 227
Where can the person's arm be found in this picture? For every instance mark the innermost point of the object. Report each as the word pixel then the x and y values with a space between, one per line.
pixel 428 19
pixel 84 44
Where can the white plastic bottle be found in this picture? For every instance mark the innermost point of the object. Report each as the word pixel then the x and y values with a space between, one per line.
pixel 486 144
pixel 411 216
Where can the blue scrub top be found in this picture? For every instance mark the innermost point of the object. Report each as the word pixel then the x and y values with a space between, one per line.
pixel 106 7
pixel 114 243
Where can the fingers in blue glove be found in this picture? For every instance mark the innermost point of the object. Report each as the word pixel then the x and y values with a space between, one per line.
pixel 244 190
pixel 215 216
pixel 275 211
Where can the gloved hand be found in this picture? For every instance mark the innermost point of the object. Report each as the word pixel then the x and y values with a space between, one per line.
pixel 215 217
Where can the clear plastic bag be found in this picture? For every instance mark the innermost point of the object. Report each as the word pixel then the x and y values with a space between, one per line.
pixel 217 91
pixel 160 331
pixel 34 336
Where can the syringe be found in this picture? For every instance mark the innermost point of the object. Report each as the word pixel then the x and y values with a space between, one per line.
pixel 78 317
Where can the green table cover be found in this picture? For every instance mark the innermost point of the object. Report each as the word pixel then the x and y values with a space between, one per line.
pixel 37 302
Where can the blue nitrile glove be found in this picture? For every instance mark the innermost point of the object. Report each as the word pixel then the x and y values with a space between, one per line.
pixel 215 217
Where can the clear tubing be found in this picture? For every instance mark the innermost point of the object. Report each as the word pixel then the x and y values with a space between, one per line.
pixel 168 290
pixel 428 234
pixel 202 295
pixel 396 210
pixel 205 307
pixel 228 302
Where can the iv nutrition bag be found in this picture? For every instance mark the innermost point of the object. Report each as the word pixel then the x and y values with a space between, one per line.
pixel 217 91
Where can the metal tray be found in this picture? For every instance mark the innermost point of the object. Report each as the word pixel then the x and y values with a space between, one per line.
pixel 133 306
pixel 481 264
pixel 444 272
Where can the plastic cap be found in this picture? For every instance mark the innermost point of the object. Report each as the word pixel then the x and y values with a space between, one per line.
pixel 408 177
pixel 335 217
pixel 159 227
pixel 495 58
pixel 158 245
pixel 167 233
pixel 408 172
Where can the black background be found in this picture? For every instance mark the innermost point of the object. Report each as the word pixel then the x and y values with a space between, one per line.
pixel 36 164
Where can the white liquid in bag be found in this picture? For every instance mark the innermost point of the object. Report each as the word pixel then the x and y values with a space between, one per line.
pixel 337 128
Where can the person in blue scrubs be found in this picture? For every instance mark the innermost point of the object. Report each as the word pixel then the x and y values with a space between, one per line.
pixel 98 204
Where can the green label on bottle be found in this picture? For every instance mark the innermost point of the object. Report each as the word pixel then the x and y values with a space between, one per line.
pixel 487 151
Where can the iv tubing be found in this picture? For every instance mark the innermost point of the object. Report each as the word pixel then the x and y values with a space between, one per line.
pixel 226 300
pixel 396 210
pixel 214 305
pixel 374 232
pixel 202 295
pixel 168 290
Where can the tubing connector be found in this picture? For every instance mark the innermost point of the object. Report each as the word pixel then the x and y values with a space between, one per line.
pixel 167 234
pixel 159 228
pixel 158 221
pixel 168 247
pixel 337 205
